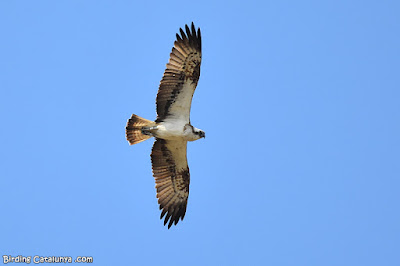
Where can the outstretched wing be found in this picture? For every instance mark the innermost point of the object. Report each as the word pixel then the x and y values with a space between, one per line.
pixel 180 78
pixel 171 172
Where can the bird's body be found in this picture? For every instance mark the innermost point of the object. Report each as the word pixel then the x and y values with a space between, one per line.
pixel 172 128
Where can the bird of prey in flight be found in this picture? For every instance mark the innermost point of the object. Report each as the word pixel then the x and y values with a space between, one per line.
pixel 172 128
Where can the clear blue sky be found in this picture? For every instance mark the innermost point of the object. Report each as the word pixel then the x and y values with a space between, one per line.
pixel 300 101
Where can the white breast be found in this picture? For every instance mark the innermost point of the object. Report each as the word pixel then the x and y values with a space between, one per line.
pixel 171 129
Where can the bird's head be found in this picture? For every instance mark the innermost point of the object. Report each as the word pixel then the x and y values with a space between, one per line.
pixel 202 134
pixel 199 133
pixel 192 133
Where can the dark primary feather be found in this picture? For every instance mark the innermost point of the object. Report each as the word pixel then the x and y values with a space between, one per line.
pixel 172 176
pixel 181 76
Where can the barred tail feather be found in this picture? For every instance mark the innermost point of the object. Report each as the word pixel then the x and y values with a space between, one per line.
pixel 134 129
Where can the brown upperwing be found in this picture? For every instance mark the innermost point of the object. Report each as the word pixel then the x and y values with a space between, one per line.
pixel 180 78
pixel 172 177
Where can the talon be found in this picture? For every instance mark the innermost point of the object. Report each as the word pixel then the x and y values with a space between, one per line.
pixel 148 130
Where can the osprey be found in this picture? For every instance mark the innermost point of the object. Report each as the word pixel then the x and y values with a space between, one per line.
pixel 172 128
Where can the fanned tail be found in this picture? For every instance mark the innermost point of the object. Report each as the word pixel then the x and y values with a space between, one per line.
pixel 134 127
